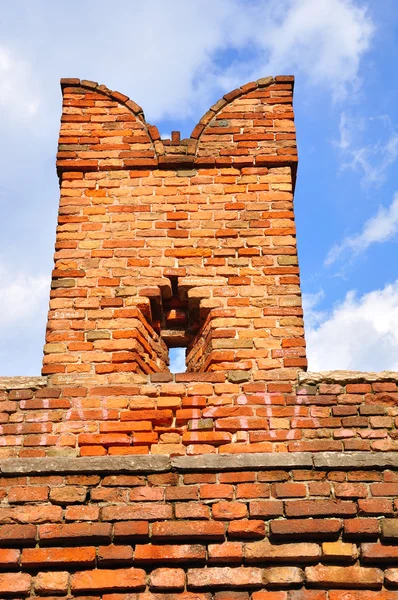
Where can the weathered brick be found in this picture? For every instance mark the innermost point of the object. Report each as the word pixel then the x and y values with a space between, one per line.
pixel 341 551
pixel 229 510
pixel 283 576
pixel 391 578
pixel 17 535
pixel 114 555
pixel 9 558
pixel 15 583
pixel 149 553
pixel 185 530
pixel 265 551
pixel 130 530
pixel 389 529
pixel 306 594
pixel 216 491
pixel 192 510
pixel 52 582
pixel 263 595
pixel 330 508
pixel 102 580
pixel 85 533
pixel 50 557
pixel 225 553
pixel 148 512
pixel 246 529
pixel 68 495
pixel 231 595
pixel 350 490
pixel 252 490
pixel 348 576
pixel 266 508
pixel 379 553
pixel 82 513
pixel 306 528
pixel 375 506
pixel 27 494
pixel 361 528
pixel 167 579
pixel 290 490
pixel 182 493
pixel 31 514
pixel 213 577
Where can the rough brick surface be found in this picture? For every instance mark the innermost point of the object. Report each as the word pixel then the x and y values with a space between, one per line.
pixel 243 478
pixel 141 416
pixel 151 233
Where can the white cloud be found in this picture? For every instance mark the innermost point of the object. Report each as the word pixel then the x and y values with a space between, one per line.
pixel 383 226
pixel 178 74
pixel 347 126
pixel 374 160
pixel 23 313
pixel 360 333
pixel 371 159
pixel 18 97
pixel 313 316
pixel 323 40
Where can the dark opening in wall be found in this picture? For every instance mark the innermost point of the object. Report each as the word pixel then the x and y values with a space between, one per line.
pixel 179 322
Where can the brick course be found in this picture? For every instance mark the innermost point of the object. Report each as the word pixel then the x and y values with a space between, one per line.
pixel 127 546
pixel 49 417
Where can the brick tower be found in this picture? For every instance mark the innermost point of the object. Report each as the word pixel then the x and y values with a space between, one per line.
pixel 176 243
pixel 243 478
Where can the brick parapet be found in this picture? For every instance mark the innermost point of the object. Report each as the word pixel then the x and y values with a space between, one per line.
pixel 194 413
pixel 275 527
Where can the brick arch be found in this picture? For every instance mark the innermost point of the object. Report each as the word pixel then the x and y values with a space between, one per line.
pixel 267 91
pixel 84 94
pixel 250 126
pixel 228 98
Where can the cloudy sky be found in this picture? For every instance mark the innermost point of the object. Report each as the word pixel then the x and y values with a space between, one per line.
pixel 175 58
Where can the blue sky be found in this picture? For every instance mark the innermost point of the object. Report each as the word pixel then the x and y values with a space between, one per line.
pixel 175 59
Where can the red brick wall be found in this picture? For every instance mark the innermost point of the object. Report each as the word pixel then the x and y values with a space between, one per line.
pixel 192 414
pixel 258 530
pixel 244 478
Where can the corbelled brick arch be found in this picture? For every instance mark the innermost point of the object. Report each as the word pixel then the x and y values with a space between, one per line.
pixel 176 243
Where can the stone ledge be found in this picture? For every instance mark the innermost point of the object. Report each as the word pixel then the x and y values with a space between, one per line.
pixel 232 462
pixel 22 382
pixel 345 377
pixel 214 462
pixel 101 464
pixel 355 460
pixel 310 378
